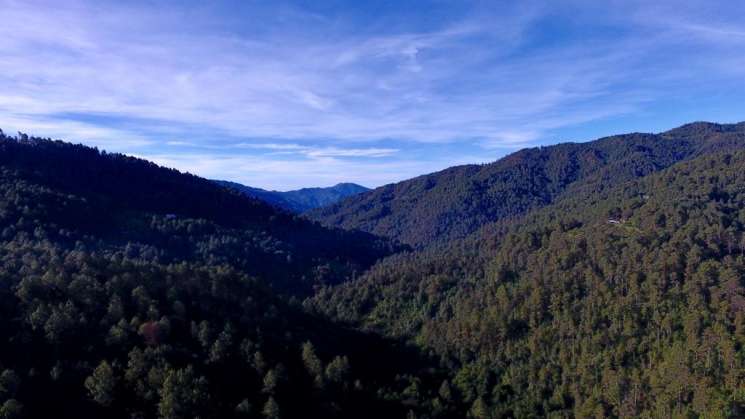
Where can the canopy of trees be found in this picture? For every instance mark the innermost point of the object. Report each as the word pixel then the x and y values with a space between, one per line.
pixel 440 207
pixel 607 281
pixel 129 290
pixel 621 302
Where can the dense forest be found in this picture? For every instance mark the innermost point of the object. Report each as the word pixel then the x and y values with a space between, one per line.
pixel 602 279
pixel 124 201
pixel 455 202
pixel 130 290
pixel 621 302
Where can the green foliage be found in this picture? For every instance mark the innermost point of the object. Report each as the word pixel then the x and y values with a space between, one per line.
pixel 312 363
pixel 183 394
pixel 101 384
pixel 271 409
pixel 63 192
pixel 600 284
pixel 129 290
pixel 273 379
pixel 626 301
pixel 450 204
pixel 338 370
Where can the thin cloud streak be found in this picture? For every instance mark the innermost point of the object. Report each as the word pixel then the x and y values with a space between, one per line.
pixel 308 151
pixel 143 78
pixel 291 174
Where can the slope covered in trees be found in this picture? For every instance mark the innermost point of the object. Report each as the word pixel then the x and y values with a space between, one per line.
pixel 452 203
pixel 299 200
pixel 125 201
pixel 626 301
pixel 129 290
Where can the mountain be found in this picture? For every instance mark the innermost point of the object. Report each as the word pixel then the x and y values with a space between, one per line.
pixel 131 290
pixel 308 198
pixel 455 202
pixel 606 282
pixel 300 200
pixel 120 197
pixel 621 301
pixel 273 198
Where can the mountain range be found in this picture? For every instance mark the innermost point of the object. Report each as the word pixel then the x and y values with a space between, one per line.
pixel 596 279
pixel 300 200
pixel 452 203
pixel 124 295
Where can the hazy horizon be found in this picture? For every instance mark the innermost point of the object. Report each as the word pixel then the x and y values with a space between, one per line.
pixel 285 95
pixel 329 185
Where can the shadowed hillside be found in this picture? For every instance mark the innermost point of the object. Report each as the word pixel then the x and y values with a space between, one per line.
pixel 457 201
pixel 612 290
pixel 130 290
pixel 123 199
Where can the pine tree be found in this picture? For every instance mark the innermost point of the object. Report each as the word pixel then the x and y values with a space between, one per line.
pixel 312 363
pixel 101 384
pixel 271 409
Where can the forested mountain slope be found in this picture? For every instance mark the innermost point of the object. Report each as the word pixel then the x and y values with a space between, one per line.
pixel 457 201
pixel 129 290
pixel 127 201
pixel 299 200
pixel 624 301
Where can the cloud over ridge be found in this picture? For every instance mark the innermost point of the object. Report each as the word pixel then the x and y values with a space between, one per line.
pixel 154 79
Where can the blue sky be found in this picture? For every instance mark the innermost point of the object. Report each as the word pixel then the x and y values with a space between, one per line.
pixel 284 95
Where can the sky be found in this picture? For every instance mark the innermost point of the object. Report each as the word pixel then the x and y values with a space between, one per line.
pixel 283 95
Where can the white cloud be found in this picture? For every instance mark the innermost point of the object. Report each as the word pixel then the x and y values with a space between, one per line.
pixel 110 139
pixel 291 148
pixel 137 77
pixel 281 174
pixel 272 88
pixel 351 152
pixel 274 146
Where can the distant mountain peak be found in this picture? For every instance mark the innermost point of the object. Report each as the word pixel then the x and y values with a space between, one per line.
pixel 300 200
pixel 348 184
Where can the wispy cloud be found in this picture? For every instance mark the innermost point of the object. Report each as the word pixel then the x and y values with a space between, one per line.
pixel 290 148
pixel 286 174
pixel 351 152
pixel 276 81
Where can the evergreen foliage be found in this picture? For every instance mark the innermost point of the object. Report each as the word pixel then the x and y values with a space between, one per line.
pixel 130 290
pixel 442 206
pixel 623 302
pixel 583 280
